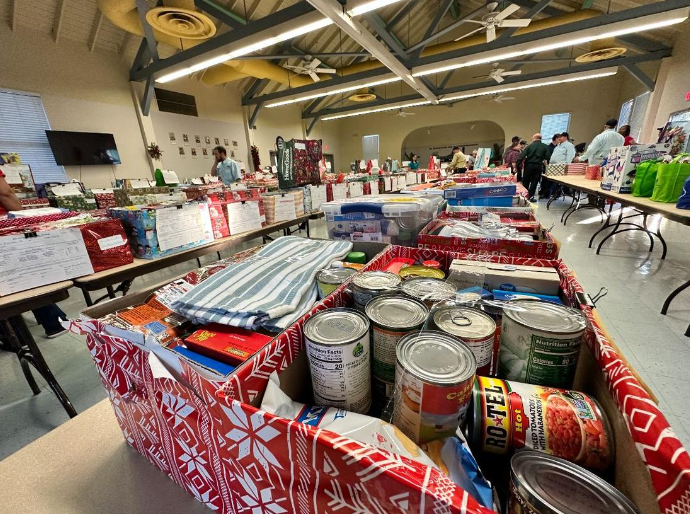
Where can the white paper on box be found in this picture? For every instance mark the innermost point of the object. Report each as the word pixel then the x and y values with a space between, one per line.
pixel 411 177
pixel 178 226
pixel 300 146
pixel 367 237
pixel 103 190
pixel 356 189
pixel 388 183
pixel 362 165
pixel 137 183
pixel 13 173
pixel 339 191
pixel 285 208
pixel 70 189
pixel 374 187
pixel 374 163
pixel 109 242
pixel 52 256
pixel 170 177
pixel 318 197
pixel 244 216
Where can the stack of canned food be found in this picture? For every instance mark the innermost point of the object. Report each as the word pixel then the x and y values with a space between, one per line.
pixel 414 351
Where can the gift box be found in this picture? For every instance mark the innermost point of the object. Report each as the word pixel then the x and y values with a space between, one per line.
pixel 85 202
pixel 34 203
pixel 593 172
pixel 283 206
pixel 479 191
pixel 576 168
pixel 106 243
pixel 555 170
pixel 105 200
pixel 618 172
pixel 250 456
pixel 121 198
pixel 163 230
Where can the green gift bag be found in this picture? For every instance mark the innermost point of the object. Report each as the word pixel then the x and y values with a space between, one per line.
pixel 645 178
pixel 670 178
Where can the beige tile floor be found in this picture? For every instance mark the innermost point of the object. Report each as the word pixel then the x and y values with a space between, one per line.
pixel 637 281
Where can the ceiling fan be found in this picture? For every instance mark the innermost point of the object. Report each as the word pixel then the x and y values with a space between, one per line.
pixel 496 19
pixel 403 114
pixel 311 68
pixel 497 73
pixel 499 98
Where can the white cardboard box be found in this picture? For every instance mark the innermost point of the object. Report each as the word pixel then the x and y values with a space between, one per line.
pixel 619 172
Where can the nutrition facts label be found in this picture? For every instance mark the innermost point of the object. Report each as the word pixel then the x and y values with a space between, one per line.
pixel 383 359
pixel 341 375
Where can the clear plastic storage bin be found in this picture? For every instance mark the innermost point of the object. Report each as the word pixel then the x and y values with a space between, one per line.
pixel 393 219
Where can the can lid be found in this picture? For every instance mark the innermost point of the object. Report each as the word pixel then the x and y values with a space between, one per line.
pixel 548 316
pixel 432 289
pixel 421 271
pixel 334 275
pixel 357 257
pixel 336 326
pixel 377 280
pixel 464 322
pixel 396 311
pixel 436 357
pixel 551 484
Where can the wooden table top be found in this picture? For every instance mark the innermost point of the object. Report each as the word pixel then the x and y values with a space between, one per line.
pixel 667 210
pixel 24 301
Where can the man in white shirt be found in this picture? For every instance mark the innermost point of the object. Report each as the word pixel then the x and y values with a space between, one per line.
pixel 225 168
pixel 598 149
pixel 565 152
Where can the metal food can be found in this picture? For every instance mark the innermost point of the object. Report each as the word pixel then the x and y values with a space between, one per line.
pixel 369 284
pixel 510 416
pixel 540 343
pixel 328 280
pixel 474 328
pixel 428 290
pixel 338 349
pixel 421 271
pixel 391 318
pixel 434 374
pixel 543 484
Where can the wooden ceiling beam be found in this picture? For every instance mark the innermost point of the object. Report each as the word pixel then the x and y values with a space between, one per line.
pixel 95 30
pixel 59 16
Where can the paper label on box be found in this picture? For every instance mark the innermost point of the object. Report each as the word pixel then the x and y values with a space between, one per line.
pixel 366 237
pixel 244 216
pixel 50 257
pixel 111 242
pixel 137 183
pixel 362 165
pixel 169 293
pixel 318 197
pixel 374 187
pixel 13 173
pixel 388 182
pixel 356 189
pixel 176 227
pixel 339 191
pixel 71 189
pixel 285 208
pixel 300 146
pixel 103 190
pixel 170 177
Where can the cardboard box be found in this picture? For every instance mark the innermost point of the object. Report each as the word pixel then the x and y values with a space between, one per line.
pixel 316 467
pixel 509 277
pixel 227 344
pixel 479 191
pixel 618 173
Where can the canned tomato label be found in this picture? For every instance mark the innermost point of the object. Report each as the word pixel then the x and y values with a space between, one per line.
pixel 540 343
pixel 369 284
pixel 474 328
pixel 434 373
pixel 567 424
pixel 543 484
pixel 391 317
pixel 337 344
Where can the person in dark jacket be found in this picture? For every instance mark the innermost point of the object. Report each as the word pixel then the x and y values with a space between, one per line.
pixel 533 160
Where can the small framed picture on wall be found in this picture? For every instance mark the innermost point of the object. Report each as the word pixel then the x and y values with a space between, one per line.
pixel 217 140
pixel 208 140
pixel 193 152
pixel 226 142
pixel 171 136
pixel 181 149
pixel 185 139
pixel 204 152
pixel 197 140
pixel 234 143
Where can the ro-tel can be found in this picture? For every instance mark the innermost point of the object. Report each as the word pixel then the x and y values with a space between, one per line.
pixel 428 290
pixel 514 416
pixel 540 343
pixel 369 284
pixel 543 484
pixel 473 327
pixel 329 279
pixel 391 317
pixel 434 373
pixel 338 349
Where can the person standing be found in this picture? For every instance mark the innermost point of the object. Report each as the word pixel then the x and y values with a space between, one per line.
pixel 459 162
pixel 534 157
pixel 471 160
pixel 225 168
pixel 414 162
pixel 554 143
pixel 598 149
pixel 565 152
pixel 625 132
pixel 511 155
pixel 513 144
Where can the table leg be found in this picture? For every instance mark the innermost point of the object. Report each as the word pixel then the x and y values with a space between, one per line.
pixel 198 262
pixel 219 257
pixel 306 223
pixel 87 297
pixel 111 292
pixel 28 353
pixel 558 192
pixel 572 203
pixel 607 224
pixel 676 292
pixel 615 229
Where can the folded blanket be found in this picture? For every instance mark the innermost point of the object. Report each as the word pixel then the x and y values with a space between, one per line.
pixel 265 287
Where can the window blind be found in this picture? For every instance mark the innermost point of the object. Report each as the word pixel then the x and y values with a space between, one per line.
pixel 370 147
pixel 23 123
pixel 638 115
pixel 626 111
pixel 552 124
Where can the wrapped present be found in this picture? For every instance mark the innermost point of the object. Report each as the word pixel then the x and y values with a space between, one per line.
pixel 576 168
pixel 219 221
pixel 34 203
pixel 105 200
pixel 555 170
pixel 20 179
pixel 121 198
pixel 283 206
pixel 593 172
pixel 85 202
pixel 162 230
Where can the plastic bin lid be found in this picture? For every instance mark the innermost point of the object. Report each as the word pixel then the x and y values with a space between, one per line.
pixel 389 205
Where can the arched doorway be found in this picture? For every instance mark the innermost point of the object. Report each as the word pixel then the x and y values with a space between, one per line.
pixel 440 139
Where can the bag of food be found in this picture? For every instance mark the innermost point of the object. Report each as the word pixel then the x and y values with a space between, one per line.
pixel 670 179
pixel 645 178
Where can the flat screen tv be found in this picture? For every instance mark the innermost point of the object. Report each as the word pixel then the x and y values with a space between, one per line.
pixel 82 148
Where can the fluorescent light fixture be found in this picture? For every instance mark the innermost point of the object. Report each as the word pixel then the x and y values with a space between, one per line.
pixel 565 42
pixel 492 90
pixel 334 92
pixel 265 43
pixel 370 6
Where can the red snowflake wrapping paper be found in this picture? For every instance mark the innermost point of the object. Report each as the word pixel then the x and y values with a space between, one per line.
pixel 235 458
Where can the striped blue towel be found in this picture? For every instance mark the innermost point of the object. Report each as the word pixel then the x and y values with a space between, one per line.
pixel 267 286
